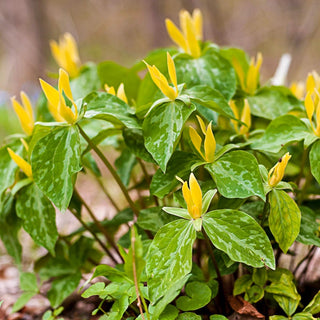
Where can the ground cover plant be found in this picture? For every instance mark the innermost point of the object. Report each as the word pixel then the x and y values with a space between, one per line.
pixel 226 169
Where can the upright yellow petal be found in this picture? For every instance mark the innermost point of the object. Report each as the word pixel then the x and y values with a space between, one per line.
pixel 187 197
pixel 253 74
pixel 64 84
pixel 309 105
pixel 239 71
pixel 121 93
pixel 27 104
pixel 183 16
pixel 245 118
pixel 202 125
pixel 71 47
pixel 55 113
pixel 57 54
pixel 26 146
pixel 172 71
pixel 298 88
pixel 176 35
pixel 235 111
pixel 310 83
pixel 109 89
pixel 26 121
pixel 196 195
pixel 277 172
pixel 21 163
pixel 196 140
pixel 209 144
pixel 192 41
pixel 197 22
pixel 317 131
pixel 50 92
pixel 316 78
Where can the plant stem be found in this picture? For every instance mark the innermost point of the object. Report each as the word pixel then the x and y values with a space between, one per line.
pixel 111 169
pixel 98 224
pixel 95 236
pixel 304 259
pixel 265 210
pixel 105 191
pixel 216 267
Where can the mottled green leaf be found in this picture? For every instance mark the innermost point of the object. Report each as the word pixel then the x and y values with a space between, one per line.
pixel 254 294
pixel 210 69
pixel 125 164
pixel 55 160
pixel 28 282
pixel 95 290
pixel 242 284
pixel 272 102
pixel 314 306
pixel 303 316
pixel 105 106
pixel 278 318
pixel 168 119
pixel 170 257
pixel 22 301
pixel 179 165
pixel 218 317
pixel 38 215
pixel 179 212
pixel 309 229
pixel 314 157
pixel 110 273
pixel 284 218
pixel 240 236
pixel 281 131
pixel 188 316
pixel 198 294
pixel 237 175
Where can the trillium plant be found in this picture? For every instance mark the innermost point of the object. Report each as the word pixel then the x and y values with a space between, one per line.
pixel 218 178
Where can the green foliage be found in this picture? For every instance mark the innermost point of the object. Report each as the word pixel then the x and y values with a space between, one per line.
pixel 191 205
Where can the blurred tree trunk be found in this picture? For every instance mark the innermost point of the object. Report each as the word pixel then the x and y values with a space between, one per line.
pixel 22 30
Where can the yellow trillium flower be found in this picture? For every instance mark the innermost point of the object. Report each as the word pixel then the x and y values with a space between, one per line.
pixel 312 105
pixel 120 92
pixel 66 54
pixel 57 103
pixel 24 113
pixel 191 32
pixel 276 173
pixel 209 141
pixel 298 88
pixel 249 82
pixel 245 117
pixel 193 197
pixel 160 80
pixel 21 163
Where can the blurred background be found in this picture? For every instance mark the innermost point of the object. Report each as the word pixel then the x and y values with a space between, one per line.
pixel 125 30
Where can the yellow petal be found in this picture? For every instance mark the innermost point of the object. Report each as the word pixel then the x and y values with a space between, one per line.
pixel 55 113
pixel 202 125
pixel 187 197
pixel 192 41
pixel 196 140
pixel 196 195
pixel 239 71
pixel 21 163
pixel 245 118
pixel 110 89
pixel 50 92
pixel 277 172
pixel 235 111
pixel 71 47
pixel 176 36
pixel 298 88
pixel 64 84
pixel 172 71
pixel 317 132
pixel 183 16
pixel 56 53
pixel 310 83
pixel 26 122
pixel 309 105
pixel 197 22
pixel 316 78
pixel 209 144
pixel 121 93
pixel 25 144
pixel 27 104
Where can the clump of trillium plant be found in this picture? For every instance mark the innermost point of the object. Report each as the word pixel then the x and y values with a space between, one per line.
pixel 226 170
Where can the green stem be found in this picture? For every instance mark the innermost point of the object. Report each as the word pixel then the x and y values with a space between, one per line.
pixel 265 210
pixel 98 224
pixel 111 169
pixel 105 191
pixel 95 236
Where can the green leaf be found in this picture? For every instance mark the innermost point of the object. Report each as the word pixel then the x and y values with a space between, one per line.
pixel 314 157
pixel 284 218
pixel 210 69
pixel 265 103
pixel 260 276
pixel 288 305
pixel 62 288
pixel 113 74
pixel 22 301
pixel 10 224
pixel 169 313
pixel 240 236
pixel 179 165
pixel 281 131
pixel 168 119
pixel 105 106
pixel 242 284
pixel 39 217
pixel 188 316
pixel 237 175
pixel 28 282
pixel 110 273
pixel 198 295
pixel 125 164
pixel 278 318
pixel 314 306
pixel 303 316
pixel 179 212
pixel 169 295
pixel 275 275
pixel 170 257
pixel 209 98
pixel 309 228
pixel 55 160
pixel 254 294
pixel 218 317
pixel 95 290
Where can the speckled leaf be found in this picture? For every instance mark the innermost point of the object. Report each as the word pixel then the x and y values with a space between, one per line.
pixel 314 306
pixel 105 106
pixel 314 157
pixel 188 316
pixel 170 257
pixel 242 284
pixel 55 159
pixel 303 316
pixel 211 69
pixel 272 102
pixel 237 175
pixel 284 218
pixel 162 129
pixel 309 229
pixel 240 236
pixel 38 215
pixel 281 131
